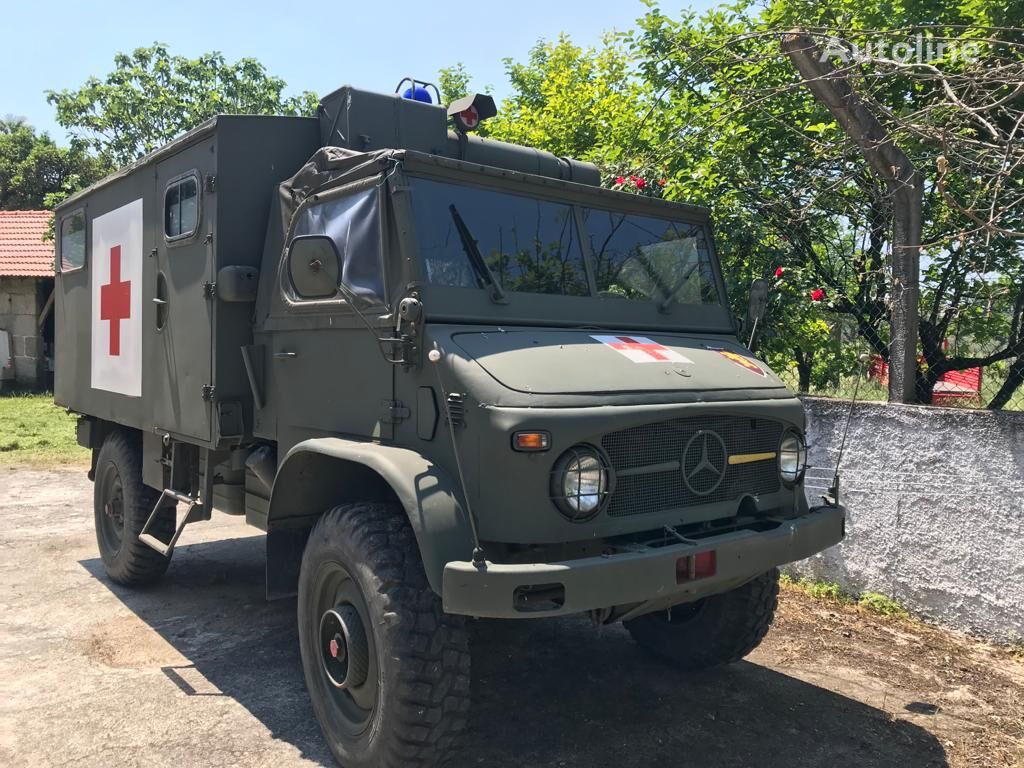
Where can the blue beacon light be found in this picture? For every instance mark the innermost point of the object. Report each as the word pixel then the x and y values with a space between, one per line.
pixel 418 93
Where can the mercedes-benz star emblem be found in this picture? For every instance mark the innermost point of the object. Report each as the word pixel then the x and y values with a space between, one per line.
pixel 704 462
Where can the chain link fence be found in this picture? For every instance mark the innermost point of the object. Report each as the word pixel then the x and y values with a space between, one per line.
pixel 976 363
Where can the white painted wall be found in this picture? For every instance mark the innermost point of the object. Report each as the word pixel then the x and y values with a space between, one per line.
pixel 935 500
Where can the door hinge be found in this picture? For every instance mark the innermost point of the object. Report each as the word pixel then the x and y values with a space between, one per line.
pixel 208 391
pixel 209 289
pixel 394 411
pixel 211 183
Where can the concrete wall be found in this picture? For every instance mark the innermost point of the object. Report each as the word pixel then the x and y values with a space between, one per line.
pixel 21 301
pixel 935 500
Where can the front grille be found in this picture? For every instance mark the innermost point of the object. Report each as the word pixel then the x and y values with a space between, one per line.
pixel 649 462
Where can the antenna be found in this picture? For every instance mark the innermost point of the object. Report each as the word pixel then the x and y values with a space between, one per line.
pixel 434 356
pixel 833 491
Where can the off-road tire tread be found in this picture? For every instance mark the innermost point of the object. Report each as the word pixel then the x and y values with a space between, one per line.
pixel 141 564
pixel 433 692
pixel 736 627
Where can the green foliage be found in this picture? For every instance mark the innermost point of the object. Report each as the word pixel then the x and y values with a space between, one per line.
pixel 35 431
pixel 577 102
pixel 152 96
pixel 35 173
pixel 453 83
pixel 829 592
pixel 882 604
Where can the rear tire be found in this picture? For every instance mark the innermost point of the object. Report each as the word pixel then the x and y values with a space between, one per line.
pixel 121 506
pixel 717 630
pixel 392 689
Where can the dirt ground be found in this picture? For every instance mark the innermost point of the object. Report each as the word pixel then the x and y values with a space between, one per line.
pixel 202 671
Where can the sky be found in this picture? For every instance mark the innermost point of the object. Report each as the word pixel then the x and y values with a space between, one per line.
pixel 57 44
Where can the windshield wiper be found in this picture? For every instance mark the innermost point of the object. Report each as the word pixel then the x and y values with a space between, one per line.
pixel 469 245
pixel 670 296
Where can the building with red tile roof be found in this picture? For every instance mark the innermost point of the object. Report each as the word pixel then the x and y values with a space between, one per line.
pixel 26 298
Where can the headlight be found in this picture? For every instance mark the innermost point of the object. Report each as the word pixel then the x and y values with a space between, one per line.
pixel 580 482
pixel 792 458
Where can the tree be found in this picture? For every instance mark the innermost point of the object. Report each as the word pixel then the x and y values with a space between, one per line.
pixel 453 82
pixel 578 102
pixel 151 96
pixel 712 106
pixel 803 181
pixel 35 173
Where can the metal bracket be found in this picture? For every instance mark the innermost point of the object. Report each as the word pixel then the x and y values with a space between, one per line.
pixel 211 183
pixel 208 391
pixel 209 290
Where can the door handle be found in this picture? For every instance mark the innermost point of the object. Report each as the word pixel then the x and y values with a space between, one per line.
pixel 285 355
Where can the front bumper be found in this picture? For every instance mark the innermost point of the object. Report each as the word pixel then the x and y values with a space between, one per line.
pixel 645 577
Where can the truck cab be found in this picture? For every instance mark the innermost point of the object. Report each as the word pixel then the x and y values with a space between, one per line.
pixel 461 380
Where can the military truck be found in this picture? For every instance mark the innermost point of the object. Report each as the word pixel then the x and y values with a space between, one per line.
pixel 448 377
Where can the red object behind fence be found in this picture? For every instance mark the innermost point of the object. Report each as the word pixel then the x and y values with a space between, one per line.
pixel 952 388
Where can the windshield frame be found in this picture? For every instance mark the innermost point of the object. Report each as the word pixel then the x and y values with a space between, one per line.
pixel 473 305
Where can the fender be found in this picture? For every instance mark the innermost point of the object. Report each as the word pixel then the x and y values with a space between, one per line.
pixel 324 471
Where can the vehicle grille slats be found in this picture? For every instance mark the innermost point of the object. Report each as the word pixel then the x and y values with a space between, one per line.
pixel 648 462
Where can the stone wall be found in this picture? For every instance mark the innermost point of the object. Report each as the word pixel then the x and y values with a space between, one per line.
pixel 935 510
pixel 21 302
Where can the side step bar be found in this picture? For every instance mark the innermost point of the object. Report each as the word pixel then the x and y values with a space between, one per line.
pixel 195 511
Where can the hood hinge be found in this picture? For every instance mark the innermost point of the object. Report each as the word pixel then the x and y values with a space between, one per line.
pixel 394 411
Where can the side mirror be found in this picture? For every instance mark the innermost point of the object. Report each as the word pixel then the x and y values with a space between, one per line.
pixel 758 302
pixel 314 267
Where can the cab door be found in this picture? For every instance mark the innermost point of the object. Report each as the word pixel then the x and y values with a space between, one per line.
pixel 326 372
pixel 181 334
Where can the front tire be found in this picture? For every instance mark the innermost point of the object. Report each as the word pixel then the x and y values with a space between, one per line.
pixel 717 630
pixel 387 670
pixel 121 506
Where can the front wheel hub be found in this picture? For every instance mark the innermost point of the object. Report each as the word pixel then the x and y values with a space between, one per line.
pixel 344 649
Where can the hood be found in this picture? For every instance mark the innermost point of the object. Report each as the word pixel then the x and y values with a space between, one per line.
pixel 558 361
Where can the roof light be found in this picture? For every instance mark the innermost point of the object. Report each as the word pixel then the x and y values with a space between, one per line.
pixel 418 90
pixel 419 93
pixel 467 113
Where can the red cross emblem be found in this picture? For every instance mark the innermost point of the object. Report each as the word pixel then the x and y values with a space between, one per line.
pixel 627 343
pixel 115 301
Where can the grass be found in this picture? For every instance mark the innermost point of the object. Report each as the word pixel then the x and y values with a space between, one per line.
pixel 34 431
pixel 828 592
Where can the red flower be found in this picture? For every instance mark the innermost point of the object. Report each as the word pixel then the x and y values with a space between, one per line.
pixel 779 271
pixel 662 182
pixel 619 181
pixel 817 294
pixel 640 183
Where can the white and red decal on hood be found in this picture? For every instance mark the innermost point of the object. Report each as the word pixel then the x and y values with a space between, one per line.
pixel 641 349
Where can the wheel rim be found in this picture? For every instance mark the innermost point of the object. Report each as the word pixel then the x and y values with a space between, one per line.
pixel 111 514
pixel 346 653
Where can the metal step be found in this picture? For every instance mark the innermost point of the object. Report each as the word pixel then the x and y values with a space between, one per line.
pixel 194 512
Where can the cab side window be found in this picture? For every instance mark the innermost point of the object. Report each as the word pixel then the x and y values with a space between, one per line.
pixel 72 241
pixel 337 243
pixel 181 208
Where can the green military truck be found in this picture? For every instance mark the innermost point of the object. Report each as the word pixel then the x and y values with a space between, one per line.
pixel 449 377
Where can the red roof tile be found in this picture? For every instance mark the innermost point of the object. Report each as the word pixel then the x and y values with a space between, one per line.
pixel 23 252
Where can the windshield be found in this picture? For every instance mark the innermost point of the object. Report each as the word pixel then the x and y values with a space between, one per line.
pixel 639 257
pixel 468 236
pixel 529 245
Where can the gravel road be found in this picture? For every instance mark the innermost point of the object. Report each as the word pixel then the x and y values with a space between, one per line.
pixel 201 670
